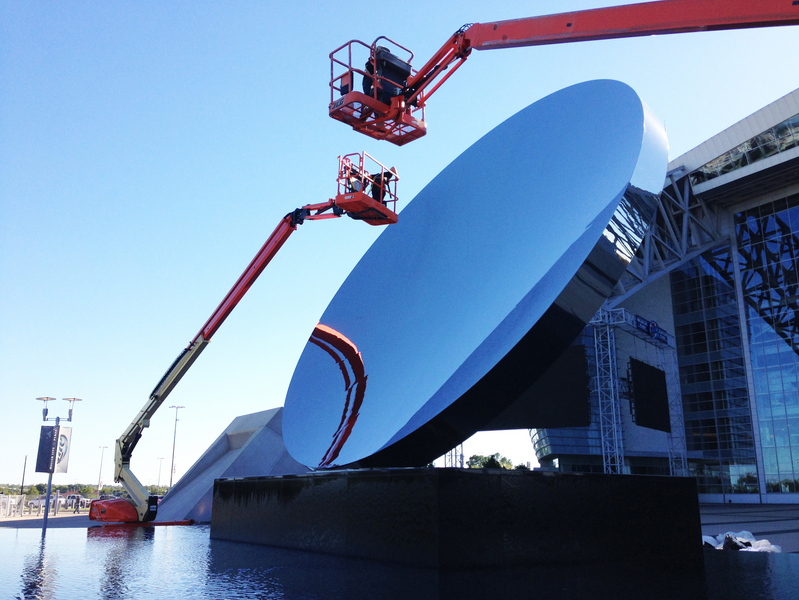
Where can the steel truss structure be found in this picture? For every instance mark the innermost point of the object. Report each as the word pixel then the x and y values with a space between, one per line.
pixel 769 278
pixel 607 386
pixel 685 226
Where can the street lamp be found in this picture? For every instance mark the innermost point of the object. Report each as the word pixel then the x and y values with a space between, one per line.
pixel 100 476
pixel 57 420
pixel 174 437
pixel 45 399
pixel 72 402
pixel 160 462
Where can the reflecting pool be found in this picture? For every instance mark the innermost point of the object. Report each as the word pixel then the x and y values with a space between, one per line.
pixel 183 562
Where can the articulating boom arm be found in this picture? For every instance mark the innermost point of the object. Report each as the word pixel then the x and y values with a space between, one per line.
pixel 355 179
pixel 391 118
pixel 127 442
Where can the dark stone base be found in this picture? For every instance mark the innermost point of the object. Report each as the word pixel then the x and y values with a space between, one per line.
pixel 456 518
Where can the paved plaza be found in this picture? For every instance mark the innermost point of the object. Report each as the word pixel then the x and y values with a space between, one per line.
pixel 65 518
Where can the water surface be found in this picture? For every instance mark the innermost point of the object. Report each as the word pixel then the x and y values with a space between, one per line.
pixel 168 563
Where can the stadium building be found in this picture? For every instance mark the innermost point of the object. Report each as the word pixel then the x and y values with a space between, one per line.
pixel 692 367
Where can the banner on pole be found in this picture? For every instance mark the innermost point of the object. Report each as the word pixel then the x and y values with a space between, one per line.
pixel 54 446
pixel 62 451
pixel 45 459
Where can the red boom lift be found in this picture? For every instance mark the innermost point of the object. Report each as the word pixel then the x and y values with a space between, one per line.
pixel 367 191
pixel 390 105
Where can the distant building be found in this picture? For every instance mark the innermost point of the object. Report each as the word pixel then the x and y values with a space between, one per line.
pixel 720 272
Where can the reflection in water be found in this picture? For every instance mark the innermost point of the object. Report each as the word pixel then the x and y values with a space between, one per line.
pixel 123 532
pixel 350 362
pixel 37 580
pixel 124 546
pixel 263 572
pixel 172 563
pixel 752 575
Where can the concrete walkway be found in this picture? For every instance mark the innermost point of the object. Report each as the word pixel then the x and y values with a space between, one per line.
pixel 777 523
pixel 65 518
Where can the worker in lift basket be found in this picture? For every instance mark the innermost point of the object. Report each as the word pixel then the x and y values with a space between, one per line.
pixel 380 183
pixel 355 180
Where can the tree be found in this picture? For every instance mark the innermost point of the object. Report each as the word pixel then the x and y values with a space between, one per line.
pixel 521 467
pixel 494 461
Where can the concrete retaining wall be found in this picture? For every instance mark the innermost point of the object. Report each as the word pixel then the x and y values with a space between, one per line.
pixel 455 518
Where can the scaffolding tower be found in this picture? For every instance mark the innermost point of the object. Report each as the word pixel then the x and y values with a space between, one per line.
pixel 607 386
pixel 454 458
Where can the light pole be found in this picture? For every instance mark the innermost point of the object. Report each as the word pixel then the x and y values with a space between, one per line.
pixel 22 487
pixel 100 476
pixel 174 437
pixel 57 420
pixel 160 462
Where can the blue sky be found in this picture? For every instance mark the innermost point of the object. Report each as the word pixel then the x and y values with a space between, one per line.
pixel 148 149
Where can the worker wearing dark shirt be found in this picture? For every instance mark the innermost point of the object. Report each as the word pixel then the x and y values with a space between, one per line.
pixel 380 183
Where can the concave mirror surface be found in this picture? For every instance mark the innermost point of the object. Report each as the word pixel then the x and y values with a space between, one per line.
pixel 476 259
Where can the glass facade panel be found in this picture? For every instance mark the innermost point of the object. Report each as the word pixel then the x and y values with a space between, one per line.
pixel 784 462
pixel 779 138
pixel 743 478
pixel 768 252
pixel 718 423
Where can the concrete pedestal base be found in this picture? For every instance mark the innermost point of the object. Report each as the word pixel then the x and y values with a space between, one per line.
pixel 456 518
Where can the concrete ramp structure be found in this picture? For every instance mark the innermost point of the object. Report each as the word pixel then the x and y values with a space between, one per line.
pixel 251 446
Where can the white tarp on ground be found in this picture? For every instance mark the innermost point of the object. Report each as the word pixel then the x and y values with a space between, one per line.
pixel 741 537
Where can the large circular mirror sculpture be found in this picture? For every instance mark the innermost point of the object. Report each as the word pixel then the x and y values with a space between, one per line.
pixel 491 273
